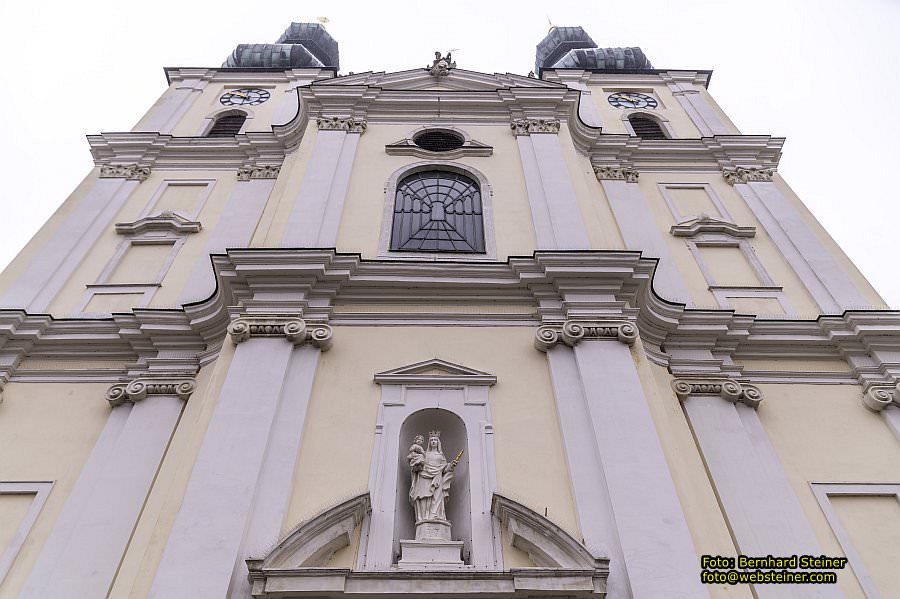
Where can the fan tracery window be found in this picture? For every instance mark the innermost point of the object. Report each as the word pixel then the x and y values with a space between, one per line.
pixel 438 211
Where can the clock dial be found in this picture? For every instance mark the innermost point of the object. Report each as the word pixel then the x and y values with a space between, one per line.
pixel 632 100
pixel 245 96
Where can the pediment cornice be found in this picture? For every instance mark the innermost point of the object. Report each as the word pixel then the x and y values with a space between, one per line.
pixel 547 289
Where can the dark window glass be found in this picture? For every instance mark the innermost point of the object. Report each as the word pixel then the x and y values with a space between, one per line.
pixel 437 211
pixel 646 127
pixel 439 141
pixel 228 125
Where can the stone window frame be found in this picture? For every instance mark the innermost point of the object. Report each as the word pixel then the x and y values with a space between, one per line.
pixel 150 207
pixel 41 491
pixel 664 188
pixel 823 493
pixel 487 214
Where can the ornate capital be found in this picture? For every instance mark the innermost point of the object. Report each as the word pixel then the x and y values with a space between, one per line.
pixel 246 173
pixel 878 397
pixel 574 331
pixel 740 174
pixel 529 126
pixel 334 123
pixel 132 172
pixel 295 330
pixel 140 388
pixel 612 173
pixel 729 389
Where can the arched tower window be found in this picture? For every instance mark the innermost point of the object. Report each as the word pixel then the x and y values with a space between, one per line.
pixel 646 127
pixel 228 125
pixel 438 211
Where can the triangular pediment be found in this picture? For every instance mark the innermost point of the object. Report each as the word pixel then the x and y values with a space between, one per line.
pixel 423 80
pixel 435 371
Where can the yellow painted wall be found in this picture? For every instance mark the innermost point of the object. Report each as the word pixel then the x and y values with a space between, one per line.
pixel 47 431
pixel 669 110
pixel 196 120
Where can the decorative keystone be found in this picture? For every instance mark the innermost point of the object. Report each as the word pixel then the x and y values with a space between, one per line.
pixel 132 172
pixel 529 126
pixel 878 397
pixel 296 330
pixel 246 173
pixel 740 174
pixel 334 123
pixel 574 331
pixel 612 173
pixel 728 389
pixel 140 388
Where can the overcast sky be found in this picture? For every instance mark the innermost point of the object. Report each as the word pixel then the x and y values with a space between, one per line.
pixel 822 73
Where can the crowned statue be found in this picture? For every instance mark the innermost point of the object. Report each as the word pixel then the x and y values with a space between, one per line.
pixel 429 490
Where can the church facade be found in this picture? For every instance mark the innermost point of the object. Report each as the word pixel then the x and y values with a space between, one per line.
pixel 442 333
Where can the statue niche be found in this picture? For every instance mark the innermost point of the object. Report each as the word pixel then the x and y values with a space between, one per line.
pixel 433 528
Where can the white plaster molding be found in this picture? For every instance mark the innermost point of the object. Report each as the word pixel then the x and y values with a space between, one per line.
pixel 312 542
pixel 706 224
pixel 140 388
pixel 40 490
pixel 335 123
pixel 247 173
pixel 728 389
pixel 166 222
pixel 612 173
pixel 879 397
pixel 739 174
pixel 408 147
pixel 531 126
pixel 295 330
pixel 573 331
pixel 435 371
pixel 131 172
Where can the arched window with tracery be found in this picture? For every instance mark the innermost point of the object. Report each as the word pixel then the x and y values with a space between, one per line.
pixel 438 211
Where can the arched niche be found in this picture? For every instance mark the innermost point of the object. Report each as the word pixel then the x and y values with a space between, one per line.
pixel 453 439
pixel 412 398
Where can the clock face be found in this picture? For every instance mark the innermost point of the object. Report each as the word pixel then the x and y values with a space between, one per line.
pixel 248 95
pixel 632 100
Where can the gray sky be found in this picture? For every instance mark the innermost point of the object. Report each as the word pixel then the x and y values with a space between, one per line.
pixel 822 73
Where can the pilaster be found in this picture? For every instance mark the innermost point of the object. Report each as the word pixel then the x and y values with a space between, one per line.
pixel 85 547
pixel 558 222
pixel 239 489
pixel 624 494
pixel 637 225
pixel 186 87
pixel 316 212
pixel 684 87
pixel 763 513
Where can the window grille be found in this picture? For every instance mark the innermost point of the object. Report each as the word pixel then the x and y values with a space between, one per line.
pixel 438 211
pixel 227 125
pixel 439 141
pixel 646 127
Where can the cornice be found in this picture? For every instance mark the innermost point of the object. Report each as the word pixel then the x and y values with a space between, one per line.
pixel 728 389
pixel 707 224
pixel 140 388
pixel 586 288
pixel 167 222
pixel 407 147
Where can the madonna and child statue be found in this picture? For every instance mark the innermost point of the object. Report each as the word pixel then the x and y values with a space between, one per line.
pixel 429 489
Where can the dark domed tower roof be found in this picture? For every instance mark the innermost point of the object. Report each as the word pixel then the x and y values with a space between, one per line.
pixel 573 48
pixel 301 45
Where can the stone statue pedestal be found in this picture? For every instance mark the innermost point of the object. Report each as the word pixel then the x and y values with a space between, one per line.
pixel 432 549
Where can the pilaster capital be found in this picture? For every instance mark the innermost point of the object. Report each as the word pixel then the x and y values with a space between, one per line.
pixel 246 173
pixel 879 397
pixel 336 123
pixel 573 331
pixel 294 329
pixel 140 388
pixel 529 126
pixel 728 389
pixel 132 172
pixel 614 173
pixel 740 174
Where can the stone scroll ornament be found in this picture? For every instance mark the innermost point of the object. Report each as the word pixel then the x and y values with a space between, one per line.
pixel 574 331
pixel 295 330
pixel 429 489
pixel 731 390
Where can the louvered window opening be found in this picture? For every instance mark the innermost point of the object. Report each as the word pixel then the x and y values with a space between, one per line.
pixel 439 141
pixel 646 128
pixel 438 211
pixel 227 126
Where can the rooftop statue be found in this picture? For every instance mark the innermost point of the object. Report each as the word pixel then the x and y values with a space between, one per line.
pixel 440 67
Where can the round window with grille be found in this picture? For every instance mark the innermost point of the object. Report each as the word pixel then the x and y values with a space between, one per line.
pixel 438 140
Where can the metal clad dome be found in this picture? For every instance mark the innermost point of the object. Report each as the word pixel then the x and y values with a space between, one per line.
pixel 301 45
pixel 573 48
pixel 558 42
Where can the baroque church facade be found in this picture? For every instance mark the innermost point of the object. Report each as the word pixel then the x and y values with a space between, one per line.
pixel 443 333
